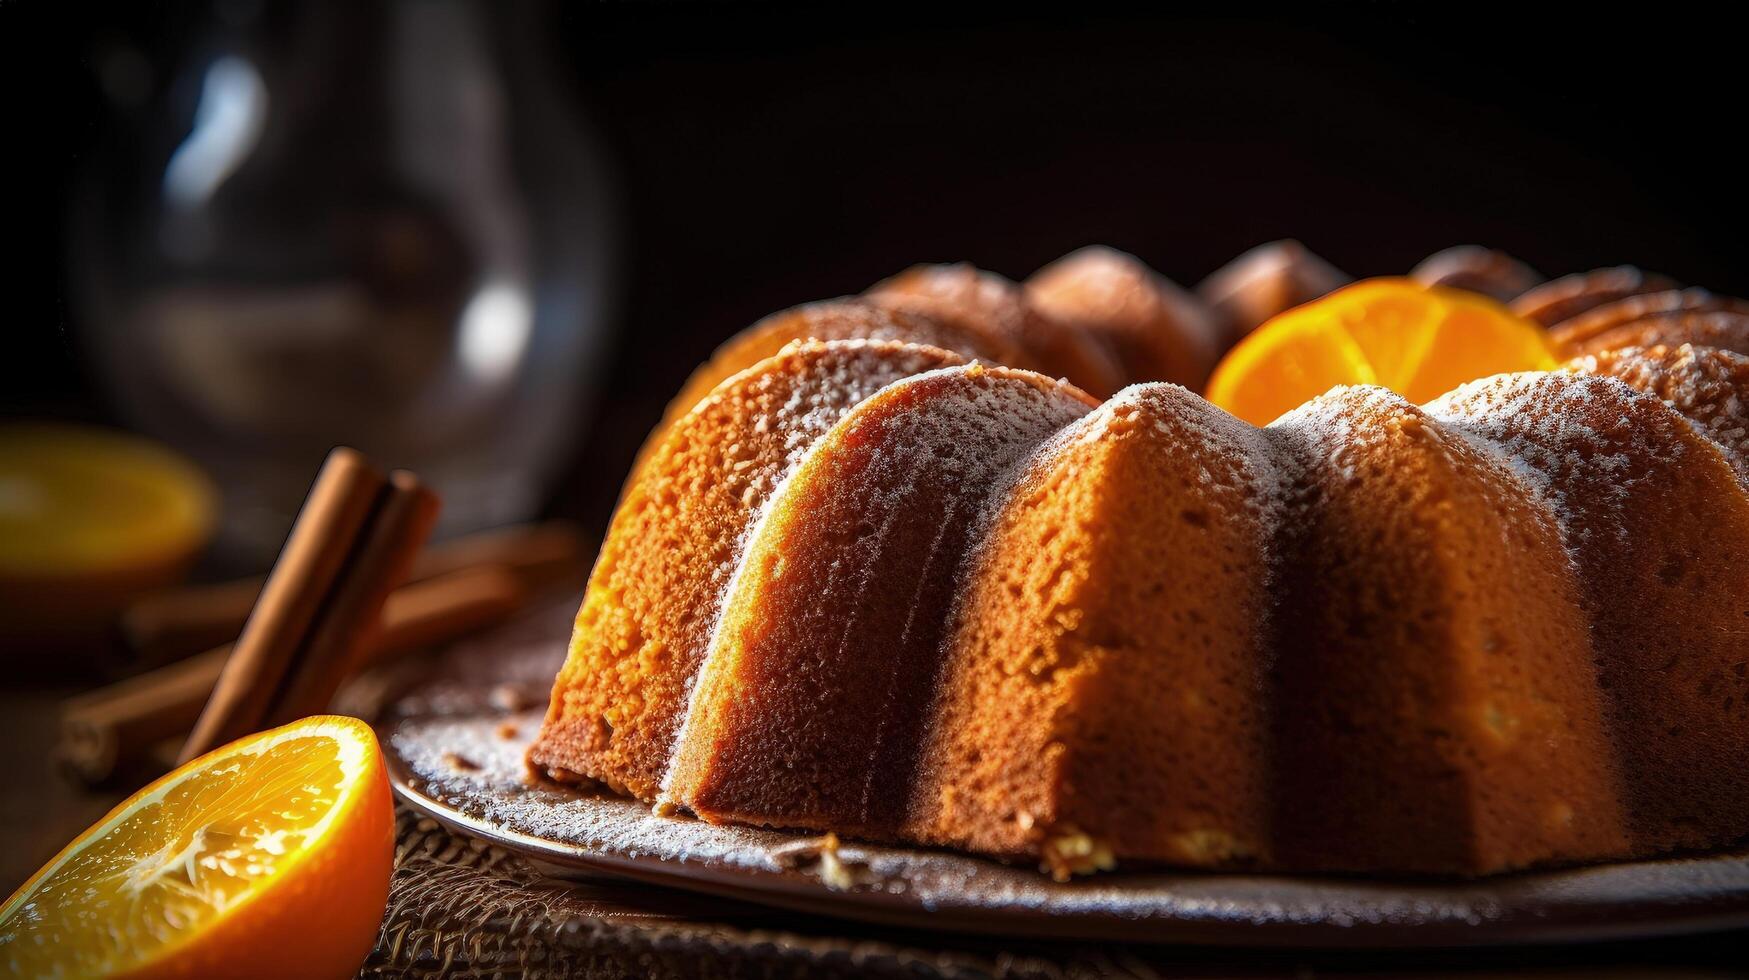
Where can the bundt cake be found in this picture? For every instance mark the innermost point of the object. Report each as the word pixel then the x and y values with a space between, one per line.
pixel 863 579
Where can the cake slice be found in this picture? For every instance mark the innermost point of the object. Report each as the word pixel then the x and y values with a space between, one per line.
pixel 674 544
pixel 1104 687
pixel 811 703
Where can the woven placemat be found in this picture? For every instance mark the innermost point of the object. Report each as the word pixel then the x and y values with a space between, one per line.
pixel 462 908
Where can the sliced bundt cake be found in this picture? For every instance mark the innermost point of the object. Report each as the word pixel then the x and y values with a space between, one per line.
pixel 898 591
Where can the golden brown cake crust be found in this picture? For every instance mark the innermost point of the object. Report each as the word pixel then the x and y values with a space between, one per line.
pixel 866 587
pixel 1569 296
pixel 1488 271
pixel 1723 329
pixel 1159 331
pixel 1056 348
pixel 846 318
pixel 1104 674
pixel 1658 529
pixel 653 597
pixel 1596 329
pixel 1707 385
pixel 1267 280
pixel 1435 707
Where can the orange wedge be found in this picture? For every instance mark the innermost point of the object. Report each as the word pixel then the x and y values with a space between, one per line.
pixel 269 857
pixel 1419 341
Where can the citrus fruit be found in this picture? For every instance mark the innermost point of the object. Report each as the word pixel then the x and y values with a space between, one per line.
pixel 1417 340
pixel 90 519
pixel 268 857
pixel 80 499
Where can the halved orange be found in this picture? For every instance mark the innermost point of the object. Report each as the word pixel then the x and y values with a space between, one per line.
pixel 1417 340
pixel 76 499
pixel 269 857
pixel 90 519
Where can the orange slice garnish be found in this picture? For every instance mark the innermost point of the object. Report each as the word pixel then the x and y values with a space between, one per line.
pixel 267 857
pixel 1419 341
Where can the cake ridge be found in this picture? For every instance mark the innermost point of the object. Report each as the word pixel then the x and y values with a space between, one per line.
pixel 1020 635
pixel 1401 613
pixel 1708 386
pixel 1557 421
pixel 1669 652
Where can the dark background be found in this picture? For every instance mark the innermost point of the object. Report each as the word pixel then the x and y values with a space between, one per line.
pixel 770 154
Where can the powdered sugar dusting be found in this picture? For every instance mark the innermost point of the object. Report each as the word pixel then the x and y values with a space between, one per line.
pixel 835 385
pixel 1339 427
pixel 939 440
pixel 1708 386
pixel 1206 433
pixel 1563 434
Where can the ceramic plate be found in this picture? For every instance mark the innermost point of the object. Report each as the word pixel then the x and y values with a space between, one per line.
pixel 454 729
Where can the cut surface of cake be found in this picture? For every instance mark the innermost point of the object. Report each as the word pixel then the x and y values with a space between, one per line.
pixel 867 579
pixel 675 544
pixel 810 702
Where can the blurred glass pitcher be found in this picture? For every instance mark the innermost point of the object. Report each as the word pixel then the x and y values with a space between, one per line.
pixel 378 224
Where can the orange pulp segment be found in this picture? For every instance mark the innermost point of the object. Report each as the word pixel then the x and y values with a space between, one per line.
pixel 1419 341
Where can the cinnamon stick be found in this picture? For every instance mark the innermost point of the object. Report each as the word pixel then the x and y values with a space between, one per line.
pixel 117 727
pixel 165 626
pixel 351 616
pixel 540 554
pixel 108 729
pixel 321 540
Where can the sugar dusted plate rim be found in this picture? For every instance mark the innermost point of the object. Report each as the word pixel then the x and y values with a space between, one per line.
pixel 464 769
pixel 453 726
